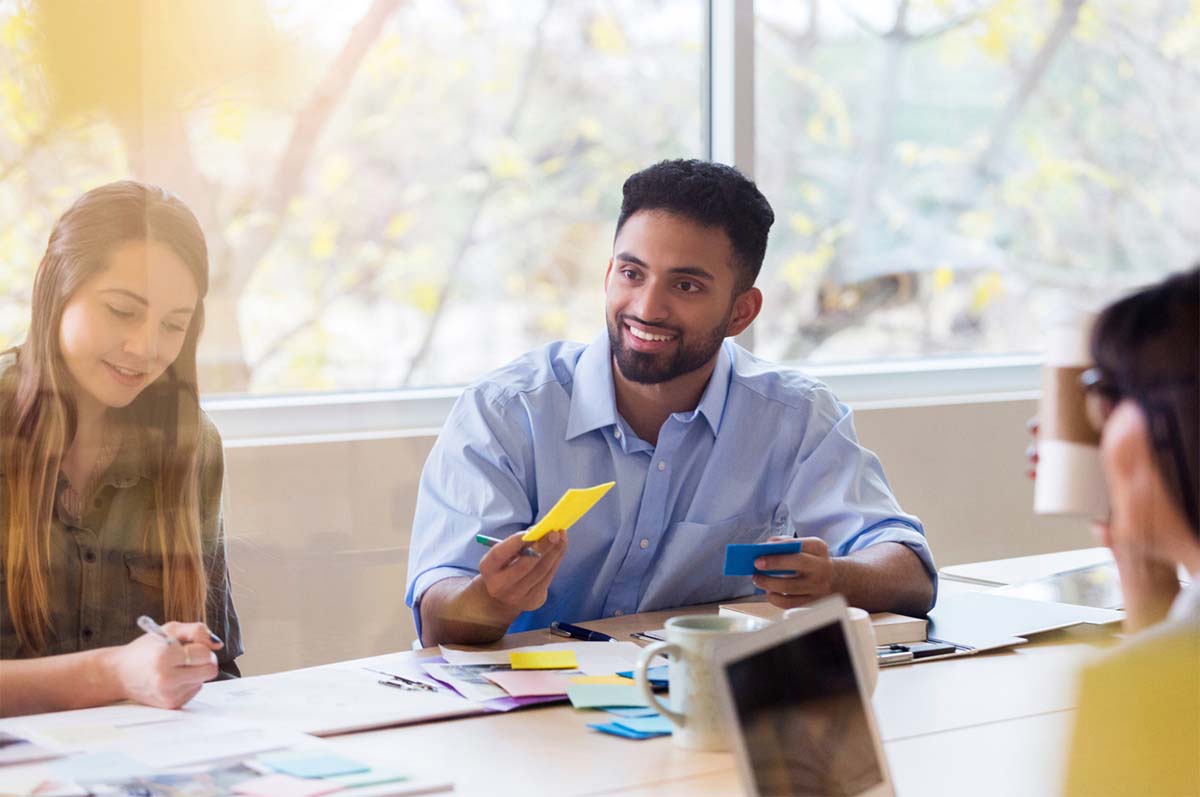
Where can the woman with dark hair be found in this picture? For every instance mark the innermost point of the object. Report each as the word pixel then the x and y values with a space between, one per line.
pixel 1137 730
pixel 110 474
pixel 1144 396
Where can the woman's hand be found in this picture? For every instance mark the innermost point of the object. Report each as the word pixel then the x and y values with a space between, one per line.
pixel 153 672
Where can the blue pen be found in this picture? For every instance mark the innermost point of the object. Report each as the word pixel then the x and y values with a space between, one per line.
pixel 484 539
pixel 576 632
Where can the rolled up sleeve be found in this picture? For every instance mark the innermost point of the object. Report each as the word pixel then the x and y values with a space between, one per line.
pixel 838 490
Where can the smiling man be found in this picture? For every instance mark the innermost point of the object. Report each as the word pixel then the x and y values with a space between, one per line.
pixel 707 444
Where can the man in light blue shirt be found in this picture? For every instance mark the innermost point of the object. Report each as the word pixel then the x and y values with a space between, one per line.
pixel 707 444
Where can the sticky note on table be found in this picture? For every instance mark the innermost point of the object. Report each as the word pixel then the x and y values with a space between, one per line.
pixel 315 764
pixel 617 730
pixel 739 559
pixel 657 676
pixel 573 505
pixel 600 679
pixel 285 786
pixel 543 660
pixel 604 695
pixel 529 683
pixel 631 712
pixel 657 724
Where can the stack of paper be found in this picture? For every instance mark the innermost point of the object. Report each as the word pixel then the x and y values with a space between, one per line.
pixel 890 628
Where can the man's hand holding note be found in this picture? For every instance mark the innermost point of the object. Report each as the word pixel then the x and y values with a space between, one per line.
pixel 813 570
pixel 521 583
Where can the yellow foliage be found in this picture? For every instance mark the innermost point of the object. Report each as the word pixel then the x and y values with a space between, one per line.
pixel 812 194
pixel 398 224
pixel 334 172
pixel 606 35
pixel 943 278
pixel 816 129
pixel 229 122
pixel 802 223
pixel 978 224
pixel 1088 25
pixel 589 128
pixel 908 152
pixel 507 166
pixel 129 58
pixel 988 288
pixel 554 321
pixel 423 295
pixel 999 28
pixel 324 240
pixel 553 165
pixel 801 267
pixel 15 30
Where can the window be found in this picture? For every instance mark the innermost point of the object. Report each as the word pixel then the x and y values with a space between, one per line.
pixel 408 194
pixel 395 194
pixel 945 172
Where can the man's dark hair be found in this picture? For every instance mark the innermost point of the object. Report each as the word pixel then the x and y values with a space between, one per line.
pixel 711 195
pixel 1148 346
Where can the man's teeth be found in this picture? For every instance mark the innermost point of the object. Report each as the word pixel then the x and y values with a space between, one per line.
pixel 640 335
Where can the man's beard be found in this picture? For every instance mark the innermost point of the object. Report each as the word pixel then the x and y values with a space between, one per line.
pixel 653 369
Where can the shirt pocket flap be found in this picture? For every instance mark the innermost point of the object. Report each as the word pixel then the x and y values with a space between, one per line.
pixel 691 567
pixel 144 569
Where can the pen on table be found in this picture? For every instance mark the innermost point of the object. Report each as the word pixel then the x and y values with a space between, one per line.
pixel 150 627
pixel 575 632
pixel 484 539
pixel 400 682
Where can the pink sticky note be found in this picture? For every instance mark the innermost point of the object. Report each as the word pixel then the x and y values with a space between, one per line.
pixel 285 786
pixel 529 683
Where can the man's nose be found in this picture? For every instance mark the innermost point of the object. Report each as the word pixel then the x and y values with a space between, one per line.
pixel 652 303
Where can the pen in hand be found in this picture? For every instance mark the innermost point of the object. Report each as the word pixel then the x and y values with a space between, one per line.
pixel 150 627
pixel 484 539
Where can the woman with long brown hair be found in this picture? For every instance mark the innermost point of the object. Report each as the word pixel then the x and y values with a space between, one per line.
pixel 110 474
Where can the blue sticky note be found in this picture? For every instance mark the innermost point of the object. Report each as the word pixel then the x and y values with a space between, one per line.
pixel 632 712
pixel 312 765
pixel 617 730
pixel 657 676
pixel 604 695
pixel 656 724
pixel 99 768
pixel 739 559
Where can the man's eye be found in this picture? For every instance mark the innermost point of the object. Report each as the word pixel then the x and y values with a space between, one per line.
pixel 688 287
pixel 118 312
pixel 629 274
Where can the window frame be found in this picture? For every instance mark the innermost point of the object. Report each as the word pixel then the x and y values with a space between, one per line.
pixel 728 126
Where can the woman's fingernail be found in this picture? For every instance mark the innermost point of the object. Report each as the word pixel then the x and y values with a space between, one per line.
pixel 216 640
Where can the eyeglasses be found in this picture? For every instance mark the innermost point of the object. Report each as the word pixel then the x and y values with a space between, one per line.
pixel 1100 397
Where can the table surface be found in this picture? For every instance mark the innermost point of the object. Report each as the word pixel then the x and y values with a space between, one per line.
pixel 995 723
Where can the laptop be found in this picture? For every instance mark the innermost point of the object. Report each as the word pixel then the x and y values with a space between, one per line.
pixel 801 721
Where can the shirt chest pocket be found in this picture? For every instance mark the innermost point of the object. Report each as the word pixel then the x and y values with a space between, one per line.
pixel 144 594
pixel 691 568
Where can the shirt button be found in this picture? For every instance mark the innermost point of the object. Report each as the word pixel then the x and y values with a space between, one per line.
pixel 89 556
pixel 87 633
pixel 645 544
pixel 617 434
pixel 662 464
pixel 618 613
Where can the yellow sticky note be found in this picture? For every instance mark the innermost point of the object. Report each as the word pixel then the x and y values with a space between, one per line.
pixel 615 680
pixel 543 660
pixel 573 505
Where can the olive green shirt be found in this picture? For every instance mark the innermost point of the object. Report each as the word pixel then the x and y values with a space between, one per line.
pixel 101 577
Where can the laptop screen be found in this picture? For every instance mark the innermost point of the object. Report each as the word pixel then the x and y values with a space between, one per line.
pixel 802 717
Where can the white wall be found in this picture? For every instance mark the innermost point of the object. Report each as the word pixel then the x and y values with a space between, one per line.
pixel 319 530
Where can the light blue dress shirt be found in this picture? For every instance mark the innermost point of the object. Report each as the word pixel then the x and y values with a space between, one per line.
pixel 767 451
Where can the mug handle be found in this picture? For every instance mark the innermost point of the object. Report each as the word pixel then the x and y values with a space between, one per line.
pixel 639 675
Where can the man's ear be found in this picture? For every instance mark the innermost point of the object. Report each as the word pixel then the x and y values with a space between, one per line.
pixel 607 274
pixel 746 307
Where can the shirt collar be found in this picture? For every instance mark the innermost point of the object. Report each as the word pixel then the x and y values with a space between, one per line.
pixel 594 402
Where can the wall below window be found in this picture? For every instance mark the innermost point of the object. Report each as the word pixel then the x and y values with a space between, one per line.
pixel 319 531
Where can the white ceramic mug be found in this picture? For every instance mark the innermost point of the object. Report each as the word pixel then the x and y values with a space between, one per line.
pixel 694 710
pixel 862 637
